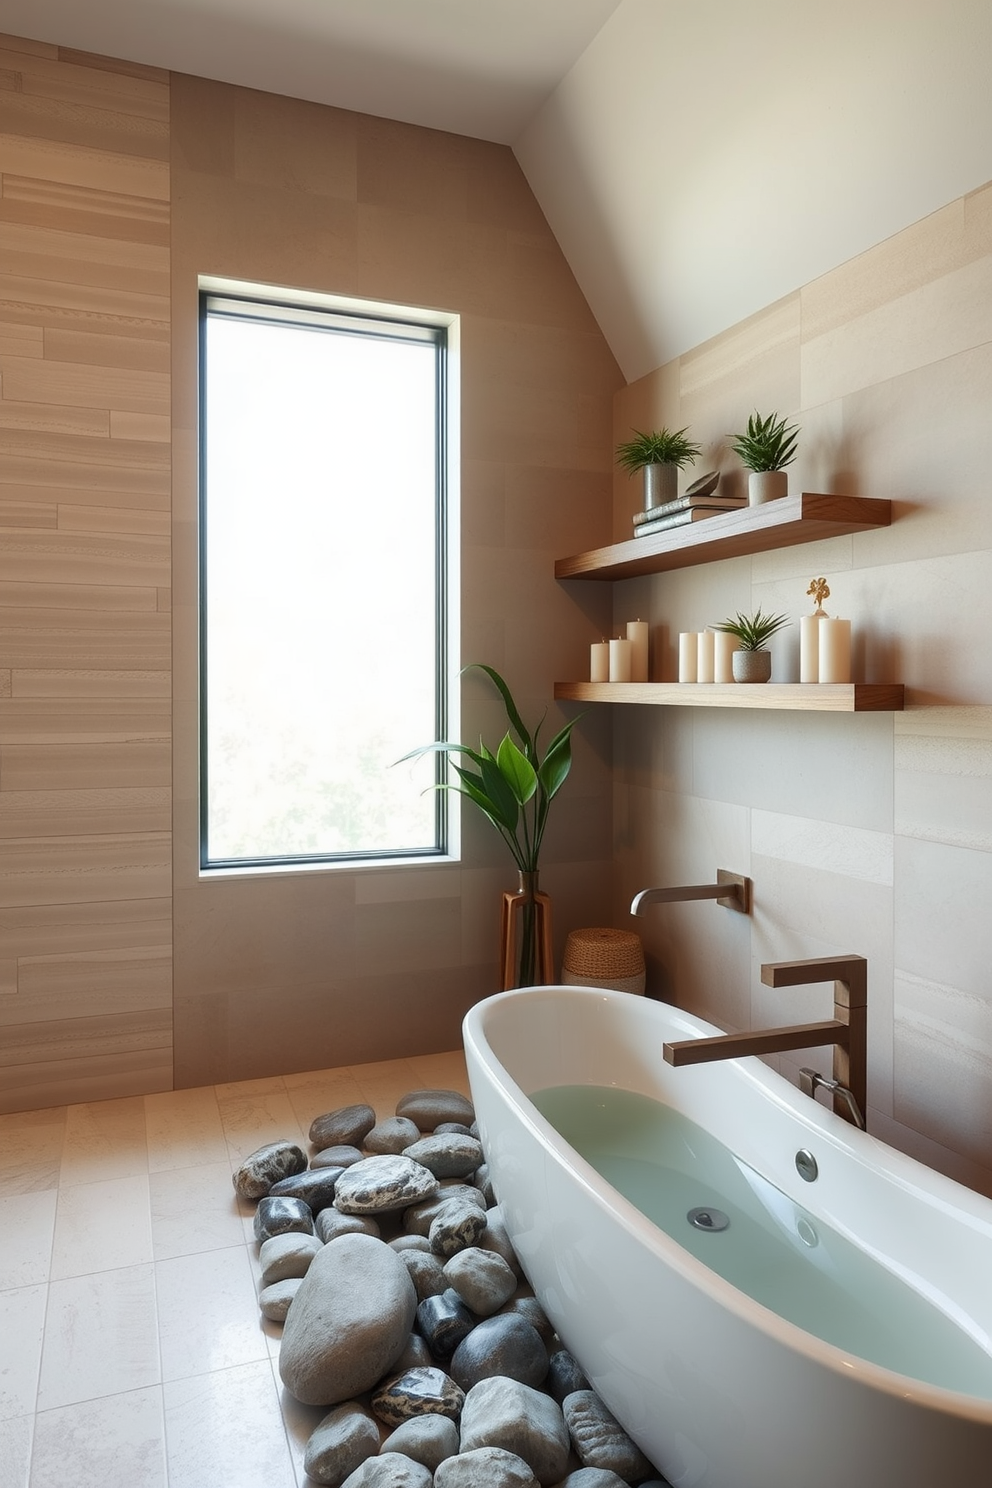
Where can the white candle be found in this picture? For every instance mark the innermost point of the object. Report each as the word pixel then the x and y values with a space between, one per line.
pixel 809 648
pixel 620 658
pixel 704 656
pixel 688 655
pixel 724 646
pixel 599 661
pixel 637 635
pixel 834 642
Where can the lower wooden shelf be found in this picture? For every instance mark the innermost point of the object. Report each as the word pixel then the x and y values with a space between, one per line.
pixel 823 697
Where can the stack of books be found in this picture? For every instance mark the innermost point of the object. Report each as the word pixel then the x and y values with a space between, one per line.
pixel 701 500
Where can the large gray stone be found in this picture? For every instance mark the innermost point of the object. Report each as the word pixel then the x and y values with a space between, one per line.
pixel 394 1134
pixel 265 1166
pixel 417 1392
pixel 481 1278
pixel 506 1346
pixel 427 1439
pixel 390 1470
pixel 348 1126
pixel 379 1184
pixel 599 1439
pixel 504 1413
pixel 429 1108
pixel 447 1156
pixel 485 1467
pixel 287 1255
pixel 343 1440
pixel 349 1322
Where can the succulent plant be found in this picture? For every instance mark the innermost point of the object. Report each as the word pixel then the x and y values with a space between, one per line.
pixel 766 444
pixel 659 447
pixel 753 630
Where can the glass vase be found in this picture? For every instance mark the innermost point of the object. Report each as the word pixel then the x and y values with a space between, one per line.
pixel 527 959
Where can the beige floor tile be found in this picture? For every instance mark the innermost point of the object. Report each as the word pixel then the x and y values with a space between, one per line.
pixel 194 1209
pixel 102 1227
pixel 101 1337
pixel 251 1120
pixel 27 1224
pixel 22 1326
pixel 15 1451
pixel 31 1145
pixel 383 1083
pixel 224 1428
pixel 442 1071
pixel 117 1441
pixel 208 1317
pixel 184 1128
pixel 105 1139
pixel 319 1091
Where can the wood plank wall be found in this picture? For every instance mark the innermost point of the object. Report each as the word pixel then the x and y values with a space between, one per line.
pixel 85 634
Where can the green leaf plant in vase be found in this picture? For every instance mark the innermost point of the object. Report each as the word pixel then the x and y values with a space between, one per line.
pixel 765 448
pixel 661 454
pixel 752 663
pixel 513 787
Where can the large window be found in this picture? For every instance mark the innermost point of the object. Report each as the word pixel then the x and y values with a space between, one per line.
pixel 323 613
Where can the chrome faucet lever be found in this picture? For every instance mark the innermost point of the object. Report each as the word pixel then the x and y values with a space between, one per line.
pixel 810 1081
pixel 732 890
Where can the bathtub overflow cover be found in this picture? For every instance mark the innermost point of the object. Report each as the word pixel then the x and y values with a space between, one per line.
pixel 708 1219
pixel 806 1165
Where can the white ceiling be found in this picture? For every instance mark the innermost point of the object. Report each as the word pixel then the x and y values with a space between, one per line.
pixel 476 67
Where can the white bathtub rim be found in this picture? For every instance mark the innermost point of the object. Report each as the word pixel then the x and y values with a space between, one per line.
pixel 696 1273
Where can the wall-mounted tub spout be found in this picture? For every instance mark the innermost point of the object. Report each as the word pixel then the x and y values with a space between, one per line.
pixel 732 890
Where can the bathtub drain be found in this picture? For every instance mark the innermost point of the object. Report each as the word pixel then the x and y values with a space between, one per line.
pixel 708 1219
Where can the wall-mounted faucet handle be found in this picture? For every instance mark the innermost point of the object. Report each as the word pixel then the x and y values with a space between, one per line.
pixel 732 890
pixel 849 975
pixel 850 971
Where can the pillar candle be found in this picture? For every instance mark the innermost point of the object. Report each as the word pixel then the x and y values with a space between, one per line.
pixel 637 635
pixel 688 655
pixel 620 658
pixel 834 642
pixel 704 656
pixel 809 647
pixel 599 661
pixel 724 646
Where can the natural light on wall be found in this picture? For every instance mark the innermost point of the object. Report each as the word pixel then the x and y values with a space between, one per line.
pixel 322 614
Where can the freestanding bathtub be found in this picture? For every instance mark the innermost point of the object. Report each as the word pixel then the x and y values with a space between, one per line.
pixel 848 1340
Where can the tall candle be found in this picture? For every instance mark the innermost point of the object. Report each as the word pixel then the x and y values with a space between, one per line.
pixel 834 641
pixel 724 646
pixel 704 656
pixel 599 661
pixel 809 647
pixel 620 658
pixel 637 635
pixel 688 656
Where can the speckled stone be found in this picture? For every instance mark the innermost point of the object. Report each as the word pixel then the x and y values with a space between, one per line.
pixel 426 1273
pixel 418 1392
pixel 485 1467
pixel 330 1223
pixel 344 1439
pixel 348 1126
pixel 444 1321
pixel 390 1470
pixel 504 1346
pixel 392 1135
pixel 564 1375
pixel 266 1166
pixel 427 1439
pixel 456 1225
pixel 482 1279
pixel 315 1187
pixel 599 1439
pixel 274 1300
pixel 504 1413
pixel 379 1184
pixel 418 1218
pixel 281 1216
pixel 447 1156
pixel 286 1255
pixel 429 1108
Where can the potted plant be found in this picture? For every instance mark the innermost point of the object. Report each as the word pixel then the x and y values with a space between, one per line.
pixel 514 788
pixel 765 448
pixel 752 663
pixel 661 454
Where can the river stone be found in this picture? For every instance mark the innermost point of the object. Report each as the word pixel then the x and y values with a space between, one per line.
pixel 330 1223
pixel 599 1439
pixel 454 1128
pixel 426 1273
pixel 336 1157
pixel 348 1126
pixel 390 1470
pixel 343 1440
pixel 485 1467
pixel 427 1439
pixel 564 1375
pixel 593 1477
pixel 417 1220
pixel 530 1309
pixel 287 1255
pixel 274 1300
pixel 484 1184
pixel 416 1355
pixel 444 1321
pixel 429 1108
pixel 482 1279
pixel 266 1166
pixel 378 1184
pixel 456 1225
pixel 447 1156
pixel 505 1346
pixel 504 1413
pixel 412 1242
pixel 315 1187
pixel 349 1322
pixel 417 1392
pixel 392 1135
pixel 280 1217
pixel 495 1237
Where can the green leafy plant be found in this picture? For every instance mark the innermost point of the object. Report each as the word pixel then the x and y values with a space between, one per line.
pixel 766 444
pixel 753 630
pixel 513 787
pixel 659 447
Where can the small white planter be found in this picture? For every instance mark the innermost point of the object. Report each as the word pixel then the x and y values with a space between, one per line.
pixel 766 485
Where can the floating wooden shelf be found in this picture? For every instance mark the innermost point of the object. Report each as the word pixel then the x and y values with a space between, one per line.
pixel 824 697
pixel 754 529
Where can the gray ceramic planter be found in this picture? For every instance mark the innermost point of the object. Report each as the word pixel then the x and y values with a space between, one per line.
pixel 752 666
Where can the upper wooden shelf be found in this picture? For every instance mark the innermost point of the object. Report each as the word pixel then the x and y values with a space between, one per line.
pixel 754 529
pixel 819 697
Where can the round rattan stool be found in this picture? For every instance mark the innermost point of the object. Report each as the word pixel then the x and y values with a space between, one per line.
pixel 604 958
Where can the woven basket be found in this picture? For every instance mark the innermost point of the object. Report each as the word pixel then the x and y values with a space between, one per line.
pixel 604 958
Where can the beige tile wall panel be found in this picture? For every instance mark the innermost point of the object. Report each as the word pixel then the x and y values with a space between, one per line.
pixel 85 729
